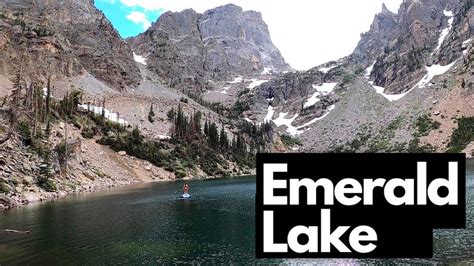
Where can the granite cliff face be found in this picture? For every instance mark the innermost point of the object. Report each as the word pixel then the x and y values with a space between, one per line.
pixel 423 33
pixel 187 48
pixel 408 65
pixel 64 38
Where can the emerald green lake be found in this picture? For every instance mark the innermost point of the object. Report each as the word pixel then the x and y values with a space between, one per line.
pixel 146 224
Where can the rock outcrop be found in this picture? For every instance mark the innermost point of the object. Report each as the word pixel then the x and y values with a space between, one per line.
pixel 372 43
pixel 64 38
pixel 423 33
pixel 188 49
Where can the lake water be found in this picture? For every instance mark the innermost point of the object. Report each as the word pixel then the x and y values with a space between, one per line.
pixel 146 224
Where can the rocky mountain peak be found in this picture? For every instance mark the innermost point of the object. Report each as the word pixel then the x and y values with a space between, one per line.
pixel 228 8
pixel 385 10
pixel 373 42
pixel 186 48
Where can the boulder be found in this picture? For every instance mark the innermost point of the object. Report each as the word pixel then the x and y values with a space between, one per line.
pixel 27 166
pixel 30 197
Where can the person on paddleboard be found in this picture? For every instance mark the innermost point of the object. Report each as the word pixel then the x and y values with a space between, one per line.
pixel 186 188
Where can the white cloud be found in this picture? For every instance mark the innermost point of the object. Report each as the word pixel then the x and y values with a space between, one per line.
pixel 307 33
pixel 139 18
pixel 150 5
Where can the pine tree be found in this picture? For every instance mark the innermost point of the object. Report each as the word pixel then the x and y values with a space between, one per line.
pixel 197 121
pixel 252 146
pixel 213 136
pixel 223 140
pixel 234 145
pixel 151 114
pixel 206 129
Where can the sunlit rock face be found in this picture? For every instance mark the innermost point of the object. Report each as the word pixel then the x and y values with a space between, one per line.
pixel 189 48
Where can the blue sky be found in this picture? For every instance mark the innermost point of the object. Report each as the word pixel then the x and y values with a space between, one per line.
pixel 128 20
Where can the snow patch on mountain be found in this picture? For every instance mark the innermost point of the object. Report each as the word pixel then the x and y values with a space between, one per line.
pixel 282 121
pixel 266 70
pixel 465 46
pixel 445 32
pixel 368 71
pixel 330 108
pixel 448 13
pixel 139 59
pixel 256 83
pixel 434 70
pixel 325 70
pixel 109 115
pixel 237 80
pixel 389 97
pixel 269 115
pixel 163 137
pixel 321 90
pixel 224 91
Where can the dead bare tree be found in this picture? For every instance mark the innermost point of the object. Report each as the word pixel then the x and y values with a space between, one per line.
pixel 48 103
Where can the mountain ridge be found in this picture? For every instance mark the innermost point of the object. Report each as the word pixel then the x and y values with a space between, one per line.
pixel 220 43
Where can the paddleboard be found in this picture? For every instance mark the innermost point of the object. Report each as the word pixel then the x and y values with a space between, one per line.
pixel 185 196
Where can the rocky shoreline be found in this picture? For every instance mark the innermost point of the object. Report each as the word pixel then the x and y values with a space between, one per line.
pixel 18 201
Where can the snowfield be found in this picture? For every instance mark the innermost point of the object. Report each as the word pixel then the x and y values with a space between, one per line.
pixel 381 90
pixel 139 59
pixel 389 97
pixel 330 108
pixel 325 70
pixel 266 70
pixel 163 137
pixel 224 91
pixel 434 70
pixel 288 122
pixel 466 43
pixel 445 32
pixel 326 88
pixel 237 80
pixel 256 83
pixel 321 90
pixel 448 13
pixel 282 121
pixel 114 117
pixel 269 115
pixel 368 71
